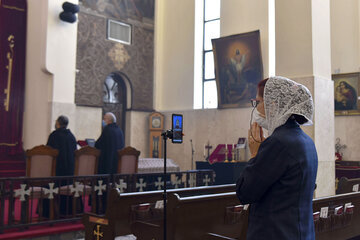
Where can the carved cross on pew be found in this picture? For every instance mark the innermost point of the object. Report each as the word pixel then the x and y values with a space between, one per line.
pixel 159 183
pixel 100 187
pixel 141 185
pixel 208 147
pixel 51 191
pixel 97 233
pixel 122 185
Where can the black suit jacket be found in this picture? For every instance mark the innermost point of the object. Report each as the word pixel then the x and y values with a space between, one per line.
pixel 279 184
pixel 110 141
pixel 63 140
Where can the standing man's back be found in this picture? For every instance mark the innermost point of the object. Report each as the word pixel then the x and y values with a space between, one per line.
pixel 110 141
pixel 63 140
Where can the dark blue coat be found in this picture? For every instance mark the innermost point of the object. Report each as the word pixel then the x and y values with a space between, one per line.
pixel 279 184
pixel 110 141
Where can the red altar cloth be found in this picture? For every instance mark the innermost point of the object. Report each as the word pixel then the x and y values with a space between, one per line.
pixel 218 155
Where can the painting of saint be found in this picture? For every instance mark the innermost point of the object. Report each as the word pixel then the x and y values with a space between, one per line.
pixel 238 68
pixel 346 90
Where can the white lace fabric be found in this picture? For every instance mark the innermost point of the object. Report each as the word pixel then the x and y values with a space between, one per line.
pixel 284 97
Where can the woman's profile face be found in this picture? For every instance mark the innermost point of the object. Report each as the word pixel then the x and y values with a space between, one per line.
pixel 260 107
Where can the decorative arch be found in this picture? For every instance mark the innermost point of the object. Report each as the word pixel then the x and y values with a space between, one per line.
pixel 117 97
pixel 129 89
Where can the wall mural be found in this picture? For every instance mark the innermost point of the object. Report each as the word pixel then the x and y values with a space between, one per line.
pixel 97 57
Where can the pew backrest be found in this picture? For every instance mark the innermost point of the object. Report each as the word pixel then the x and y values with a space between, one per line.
pixel 342 219
pixel 346 185
pixel 120 207
pixel 196 216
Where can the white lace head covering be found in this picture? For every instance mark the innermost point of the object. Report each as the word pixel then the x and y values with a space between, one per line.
pixel 284 97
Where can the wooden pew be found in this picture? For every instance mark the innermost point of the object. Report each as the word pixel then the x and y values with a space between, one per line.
pixel 121 210
pixel 343 225
pixel 346 185
pixel 207 217
pixel 212 216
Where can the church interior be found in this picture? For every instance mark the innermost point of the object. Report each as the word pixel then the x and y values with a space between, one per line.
pixel 145 60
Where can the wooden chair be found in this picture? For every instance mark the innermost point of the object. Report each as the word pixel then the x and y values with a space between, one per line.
pixel 128 159
pixel 40 162
pixel 86 163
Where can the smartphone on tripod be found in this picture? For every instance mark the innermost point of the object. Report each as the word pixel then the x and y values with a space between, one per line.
pixel 177 128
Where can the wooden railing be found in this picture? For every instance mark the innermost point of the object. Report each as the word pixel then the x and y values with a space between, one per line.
pixel 26 202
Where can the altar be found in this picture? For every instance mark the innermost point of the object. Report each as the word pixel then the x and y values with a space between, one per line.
pixel 226 173
pixel 156 165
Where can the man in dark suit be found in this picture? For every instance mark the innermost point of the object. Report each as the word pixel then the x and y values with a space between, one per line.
pixel 110 141
pixel 63 140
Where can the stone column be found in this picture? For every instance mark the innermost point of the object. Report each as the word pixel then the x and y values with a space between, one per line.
pixel 303 54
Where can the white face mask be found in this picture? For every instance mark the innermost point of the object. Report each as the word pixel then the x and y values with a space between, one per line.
pixel 260 119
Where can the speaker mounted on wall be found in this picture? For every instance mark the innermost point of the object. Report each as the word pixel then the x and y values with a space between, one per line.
pixel 68 15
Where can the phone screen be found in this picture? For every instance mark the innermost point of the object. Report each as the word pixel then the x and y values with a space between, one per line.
pixel 177 127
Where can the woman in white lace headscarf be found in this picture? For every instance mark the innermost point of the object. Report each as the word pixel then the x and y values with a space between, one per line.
pixel 279 179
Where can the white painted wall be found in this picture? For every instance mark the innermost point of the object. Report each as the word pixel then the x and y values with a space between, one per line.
pixel 288 60
pixel 213 125
pixel 345 58
pixel 61 53
pixel 174 46
pixel 345 41
pixel 50 76
pixel 174 54
pixel 38 81
pixel 321 53
pixel 240 16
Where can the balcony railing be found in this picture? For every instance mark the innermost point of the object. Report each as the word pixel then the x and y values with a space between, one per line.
pixel 28 202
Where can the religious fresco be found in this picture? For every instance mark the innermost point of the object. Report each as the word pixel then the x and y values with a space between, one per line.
pixel 238 68
pixel 141 10
pixel 97 57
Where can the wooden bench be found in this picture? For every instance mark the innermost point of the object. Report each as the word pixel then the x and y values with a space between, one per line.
pixel 212 216
pixel 346 185
pixel 341 223
pixel 208 217
pixel 125 208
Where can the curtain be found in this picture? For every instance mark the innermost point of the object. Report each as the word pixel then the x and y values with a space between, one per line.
pixel 12 74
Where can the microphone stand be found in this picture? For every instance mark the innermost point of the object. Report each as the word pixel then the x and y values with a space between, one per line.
pixel 167 134
pixel 192 155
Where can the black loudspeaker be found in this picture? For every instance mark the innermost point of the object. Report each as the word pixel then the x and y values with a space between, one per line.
pixel 68 15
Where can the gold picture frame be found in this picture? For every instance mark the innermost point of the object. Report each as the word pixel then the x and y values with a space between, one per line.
pixel 346 93
pixel 238 68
